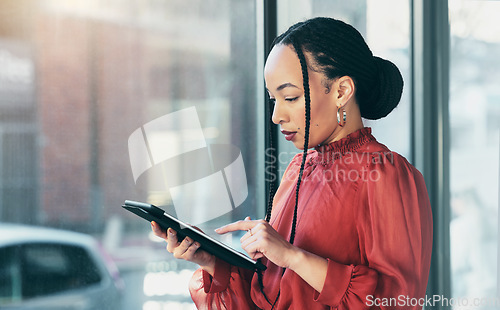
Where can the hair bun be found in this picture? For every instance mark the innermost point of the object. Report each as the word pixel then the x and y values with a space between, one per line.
pixel 387 90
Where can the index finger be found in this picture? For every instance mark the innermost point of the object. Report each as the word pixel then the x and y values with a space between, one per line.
pixel 239 225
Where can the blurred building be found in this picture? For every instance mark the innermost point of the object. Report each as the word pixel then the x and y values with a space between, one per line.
pixel 78 77
pixel 64 113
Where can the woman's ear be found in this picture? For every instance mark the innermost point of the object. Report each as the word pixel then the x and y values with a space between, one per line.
pixel 345 90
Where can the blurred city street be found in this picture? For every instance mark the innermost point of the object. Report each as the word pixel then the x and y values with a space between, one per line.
pixel 153 279
pixel 135 298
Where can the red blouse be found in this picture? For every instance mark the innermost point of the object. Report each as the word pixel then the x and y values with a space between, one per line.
pixel 363 208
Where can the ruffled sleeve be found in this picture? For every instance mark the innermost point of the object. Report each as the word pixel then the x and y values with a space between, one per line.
pixel 395 241
pixel 229 288
pixel 346 285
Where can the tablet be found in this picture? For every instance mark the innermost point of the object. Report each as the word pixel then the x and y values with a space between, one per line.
pixel 212 246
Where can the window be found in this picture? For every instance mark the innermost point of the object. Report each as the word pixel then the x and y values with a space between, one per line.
pixel 474 148
pixel 78 78
pixel 18 166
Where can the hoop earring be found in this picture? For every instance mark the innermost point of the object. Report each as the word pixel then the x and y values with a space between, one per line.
pixel 344 117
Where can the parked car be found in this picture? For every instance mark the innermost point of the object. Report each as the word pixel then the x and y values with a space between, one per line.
pixel 42 269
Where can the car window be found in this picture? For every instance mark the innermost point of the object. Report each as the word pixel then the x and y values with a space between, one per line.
pixel 53 268
pixel 10 275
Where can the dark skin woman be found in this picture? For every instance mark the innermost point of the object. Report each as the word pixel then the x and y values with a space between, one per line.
pixel 332 238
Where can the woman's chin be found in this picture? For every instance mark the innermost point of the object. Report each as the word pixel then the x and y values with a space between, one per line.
pixel 300 145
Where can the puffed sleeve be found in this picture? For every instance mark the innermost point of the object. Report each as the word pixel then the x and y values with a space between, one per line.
pixel 395 241
pixel 229 288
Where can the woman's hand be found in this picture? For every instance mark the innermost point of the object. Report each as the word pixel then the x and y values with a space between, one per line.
pixel 261 240
pixel 187 249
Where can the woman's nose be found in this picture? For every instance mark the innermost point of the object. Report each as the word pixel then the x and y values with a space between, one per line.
pixel 279 115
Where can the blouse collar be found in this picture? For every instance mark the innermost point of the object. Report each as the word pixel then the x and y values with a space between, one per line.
pixel 350 143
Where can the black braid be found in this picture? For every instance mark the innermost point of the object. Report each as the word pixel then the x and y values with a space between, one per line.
pixel 307 97
pixel 272 190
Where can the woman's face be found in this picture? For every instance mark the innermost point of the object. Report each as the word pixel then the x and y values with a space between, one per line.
pixel 284 84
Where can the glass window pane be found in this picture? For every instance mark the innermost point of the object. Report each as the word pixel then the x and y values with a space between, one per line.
pixel 388 36
pixel 474 148
pixel 79 78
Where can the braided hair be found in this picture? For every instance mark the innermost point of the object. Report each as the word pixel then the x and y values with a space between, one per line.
pixel 337 49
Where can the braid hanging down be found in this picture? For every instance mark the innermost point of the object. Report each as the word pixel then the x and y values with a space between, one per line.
pixel 269 208
pixel 307 97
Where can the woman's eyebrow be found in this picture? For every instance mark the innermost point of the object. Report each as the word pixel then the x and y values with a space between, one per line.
pixel 284 85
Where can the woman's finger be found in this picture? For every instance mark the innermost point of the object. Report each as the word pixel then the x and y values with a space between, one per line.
pixel 253 231
pixel 252 247
pixel 248 240
pixel 172 241
pixel 182 247
pixel 191 251
pixel 257 255
pixel 239 225
pixel 249 233
pixel 158 231
pixel 258 237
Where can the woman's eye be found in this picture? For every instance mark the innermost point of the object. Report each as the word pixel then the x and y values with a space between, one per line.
pixel 291 99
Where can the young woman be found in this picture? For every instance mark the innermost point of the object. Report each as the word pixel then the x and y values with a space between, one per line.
pixel 350 226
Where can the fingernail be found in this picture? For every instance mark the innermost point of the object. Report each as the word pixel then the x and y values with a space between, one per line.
pixel 170 232
pixel 217 229
pixel 196 244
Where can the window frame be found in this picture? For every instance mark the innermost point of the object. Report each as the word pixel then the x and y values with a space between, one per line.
pixel 430 127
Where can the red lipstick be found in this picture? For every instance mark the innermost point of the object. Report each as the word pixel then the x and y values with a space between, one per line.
pixel 288 134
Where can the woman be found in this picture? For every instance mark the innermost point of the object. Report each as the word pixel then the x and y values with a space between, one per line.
pixel 351 223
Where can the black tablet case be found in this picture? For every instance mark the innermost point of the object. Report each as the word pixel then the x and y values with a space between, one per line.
pixel 212 246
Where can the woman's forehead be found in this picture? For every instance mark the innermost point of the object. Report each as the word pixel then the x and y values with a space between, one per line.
pixel 282 66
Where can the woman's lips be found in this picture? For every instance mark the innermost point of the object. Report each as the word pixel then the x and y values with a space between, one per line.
pixel 289 134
